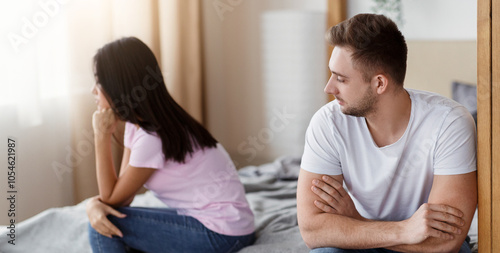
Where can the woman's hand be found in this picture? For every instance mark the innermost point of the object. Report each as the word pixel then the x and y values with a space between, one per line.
pixel 334 198
pixel 98 212
pixel 104 122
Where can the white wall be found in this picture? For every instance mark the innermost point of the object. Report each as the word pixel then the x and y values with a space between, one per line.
pixel 430 19
pixel 233 59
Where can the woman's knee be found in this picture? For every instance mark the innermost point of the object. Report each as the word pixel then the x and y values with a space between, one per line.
pixel 90 230
pixel 92 235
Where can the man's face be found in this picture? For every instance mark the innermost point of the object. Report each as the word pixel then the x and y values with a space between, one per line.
pixel 355 96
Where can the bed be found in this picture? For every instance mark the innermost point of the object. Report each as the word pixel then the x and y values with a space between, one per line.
pixel 271 190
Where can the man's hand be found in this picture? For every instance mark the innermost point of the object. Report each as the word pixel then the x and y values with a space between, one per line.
pixel 334 198
pixel 432 220
pixel 97 213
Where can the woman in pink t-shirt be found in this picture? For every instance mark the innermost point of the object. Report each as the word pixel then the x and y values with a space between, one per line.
pixel 168 152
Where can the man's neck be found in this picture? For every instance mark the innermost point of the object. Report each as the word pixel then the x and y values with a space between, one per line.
pixel 390 119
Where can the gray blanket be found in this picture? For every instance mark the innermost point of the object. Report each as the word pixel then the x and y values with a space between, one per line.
pixel 270 190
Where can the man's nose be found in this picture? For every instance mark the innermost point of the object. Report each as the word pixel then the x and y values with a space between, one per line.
pixel 330 87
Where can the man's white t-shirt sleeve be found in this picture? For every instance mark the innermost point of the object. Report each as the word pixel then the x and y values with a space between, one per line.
pixel 320 154
pixel 456 146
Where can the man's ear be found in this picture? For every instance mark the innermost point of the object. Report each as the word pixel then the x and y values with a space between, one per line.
pixel 380 82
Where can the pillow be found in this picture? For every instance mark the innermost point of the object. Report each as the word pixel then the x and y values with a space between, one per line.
pixel 466 94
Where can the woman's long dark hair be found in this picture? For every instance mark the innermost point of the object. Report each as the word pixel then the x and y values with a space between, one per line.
pixel 128 73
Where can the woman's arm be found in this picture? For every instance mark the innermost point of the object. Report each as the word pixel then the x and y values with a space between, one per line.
pixel 123 168
pixel 113 190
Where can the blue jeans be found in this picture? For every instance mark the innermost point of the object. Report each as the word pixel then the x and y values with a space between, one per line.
pixel 163 230
pixel 464 249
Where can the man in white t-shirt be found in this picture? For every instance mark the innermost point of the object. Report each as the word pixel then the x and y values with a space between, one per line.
pixel 384 168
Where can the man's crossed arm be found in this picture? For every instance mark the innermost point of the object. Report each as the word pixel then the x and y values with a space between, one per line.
pixel 328 218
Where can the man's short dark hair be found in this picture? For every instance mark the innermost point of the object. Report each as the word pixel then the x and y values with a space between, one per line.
pixel 377 45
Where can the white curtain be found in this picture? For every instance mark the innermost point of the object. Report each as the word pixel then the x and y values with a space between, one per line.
pixel 46 51
pixel 35 74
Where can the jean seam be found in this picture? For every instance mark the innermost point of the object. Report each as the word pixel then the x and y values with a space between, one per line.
pixel 199 229
pixel 98 240
pixel 195 229
pixel 180 222
pixel 235 246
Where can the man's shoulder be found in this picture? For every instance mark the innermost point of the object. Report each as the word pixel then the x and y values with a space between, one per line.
pixel 439 112
pixel 432 99
pixel 331 107
pixel 430 102
pixel 331 112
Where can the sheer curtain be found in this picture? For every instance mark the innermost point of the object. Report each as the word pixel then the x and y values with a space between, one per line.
pixel 46 76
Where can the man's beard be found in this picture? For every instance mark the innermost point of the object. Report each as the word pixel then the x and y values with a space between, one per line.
pixel 364 107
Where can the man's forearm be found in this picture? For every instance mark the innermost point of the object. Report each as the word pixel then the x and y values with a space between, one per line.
pixel 322 229
pixel 432 228
pixel 429 245
pixel 347 233
pixel 331 230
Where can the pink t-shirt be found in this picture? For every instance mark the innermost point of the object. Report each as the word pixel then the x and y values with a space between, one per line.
pixel 205 187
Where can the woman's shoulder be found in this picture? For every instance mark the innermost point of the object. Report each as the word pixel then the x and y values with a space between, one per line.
pixel 134 134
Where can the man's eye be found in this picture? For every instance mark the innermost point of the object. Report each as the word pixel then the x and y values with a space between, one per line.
pixel 340 80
